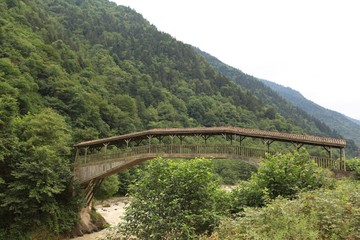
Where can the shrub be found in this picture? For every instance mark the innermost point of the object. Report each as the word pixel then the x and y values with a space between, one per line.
pixel 173 200
pixel 353 164
pixel 318 214
pixel 232 171
pixel 108 188
pixel 281 175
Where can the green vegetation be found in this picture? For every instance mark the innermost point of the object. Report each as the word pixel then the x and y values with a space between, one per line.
pixel 319 214
pixel 174 199
pixel 75 70
pixel 37 187
pixel 282 175
pixel 232 171
pixel 353 164
pixel 289 197
pixel 108 188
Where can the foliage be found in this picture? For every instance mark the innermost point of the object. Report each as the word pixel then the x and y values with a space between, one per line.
pixel 128 177
pixel 174 200
pixel 108 188
pixel 72 71
pixel 281 175
pixel 287 174
pixel 353 164
pixel 232 171
pixel 37 190
pixel 318 214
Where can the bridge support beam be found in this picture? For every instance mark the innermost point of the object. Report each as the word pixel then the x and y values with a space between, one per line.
pixel 241 138
pixel 90 189
pixel 268 143
pixel 297 145
pixel 205 137
pixel 328 150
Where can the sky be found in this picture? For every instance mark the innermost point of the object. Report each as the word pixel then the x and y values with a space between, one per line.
pixel 312 46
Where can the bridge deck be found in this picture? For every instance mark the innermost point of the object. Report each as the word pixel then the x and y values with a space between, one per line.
pixel 245 132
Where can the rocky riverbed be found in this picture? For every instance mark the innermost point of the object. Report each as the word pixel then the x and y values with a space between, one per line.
pixel 112 211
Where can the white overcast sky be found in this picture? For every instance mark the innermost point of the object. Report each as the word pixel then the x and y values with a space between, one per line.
pixel 312 46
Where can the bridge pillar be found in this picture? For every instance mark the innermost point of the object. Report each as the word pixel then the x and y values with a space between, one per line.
pixel 90 189
pixel 342 159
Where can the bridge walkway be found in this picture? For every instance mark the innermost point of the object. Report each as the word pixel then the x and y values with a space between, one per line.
pixel 100 165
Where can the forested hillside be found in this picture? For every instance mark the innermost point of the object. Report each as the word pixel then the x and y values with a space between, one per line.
pixel 73 70
pixel 342 124
pixel 108 71
pixel 296 109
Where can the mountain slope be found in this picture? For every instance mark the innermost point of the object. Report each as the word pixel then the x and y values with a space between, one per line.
pixel 75 70
pixel 291 111
pixel 342 124
pixel 108 71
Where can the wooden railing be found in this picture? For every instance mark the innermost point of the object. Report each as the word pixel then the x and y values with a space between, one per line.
pixel 173 149
pixel 102 164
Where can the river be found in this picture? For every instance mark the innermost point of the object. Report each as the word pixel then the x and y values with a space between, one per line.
pixel 112 210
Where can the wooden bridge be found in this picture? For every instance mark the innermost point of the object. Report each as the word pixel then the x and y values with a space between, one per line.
pixel 100 158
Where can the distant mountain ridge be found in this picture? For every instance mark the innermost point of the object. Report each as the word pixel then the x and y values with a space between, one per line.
pixel 346 126
pixel 287 103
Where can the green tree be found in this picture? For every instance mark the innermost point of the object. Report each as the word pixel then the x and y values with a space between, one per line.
pixel 108 188
pixel 353 164
pixel 36 191
pixel 173 200
pixel 281 175
pixel 287 174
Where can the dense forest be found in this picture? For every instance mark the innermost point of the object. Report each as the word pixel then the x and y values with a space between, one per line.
pixel 74 70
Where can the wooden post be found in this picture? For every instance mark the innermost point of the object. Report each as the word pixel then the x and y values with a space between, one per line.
pixel 105 146
pixel 205 137
pixel 267 142
pixel 172 143
pixel 297 145
pixel 86 150
pixel 149 142
pixel 76 154
pixel 342 159
pixel 241 138
pixel 181 139
pixel 127 142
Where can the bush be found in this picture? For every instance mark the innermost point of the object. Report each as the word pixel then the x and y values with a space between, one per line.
pixel 353 164
pixel 281 175
pixel 174 200
pixel 108 188
pixel 319 214
pixel 232 171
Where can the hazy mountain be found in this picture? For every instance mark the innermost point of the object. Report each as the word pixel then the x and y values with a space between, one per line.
pixel 346 126
pixel 284 103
